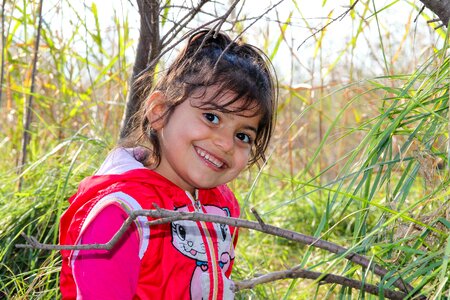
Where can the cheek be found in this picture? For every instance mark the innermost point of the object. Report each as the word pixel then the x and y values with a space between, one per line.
pixel 242 158
pixel 194 128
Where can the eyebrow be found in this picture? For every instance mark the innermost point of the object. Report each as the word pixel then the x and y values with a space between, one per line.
pixel 251 128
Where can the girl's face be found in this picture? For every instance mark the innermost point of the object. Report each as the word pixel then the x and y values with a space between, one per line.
pixel 203 148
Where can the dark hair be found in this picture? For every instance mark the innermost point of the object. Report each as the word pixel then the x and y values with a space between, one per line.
pixel 212 58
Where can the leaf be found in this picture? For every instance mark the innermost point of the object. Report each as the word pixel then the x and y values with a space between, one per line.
pixel 165 13
pixel 281 36
pixel 444 222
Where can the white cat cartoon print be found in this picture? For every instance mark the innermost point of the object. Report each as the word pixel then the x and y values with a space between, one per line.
pixel 187 239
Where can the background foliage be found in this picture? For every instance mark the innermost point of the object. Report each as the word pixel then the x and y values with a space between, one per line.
pixel 360 156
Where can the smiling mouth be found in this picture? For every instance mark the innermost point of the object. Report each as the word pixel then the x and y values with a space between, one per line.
pixel 210 158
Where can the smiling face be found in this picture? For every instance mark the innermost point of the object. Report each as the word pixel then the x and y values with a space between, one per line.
pixel 200 147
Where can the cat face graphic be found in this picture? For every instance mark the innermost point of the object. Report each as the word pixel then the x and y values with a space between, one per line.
pixel 187 238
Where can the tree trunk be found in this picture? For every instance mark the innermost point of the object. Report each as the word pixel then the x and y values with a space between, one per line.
pixel 440 7
pixel 28 116
pixel 148 48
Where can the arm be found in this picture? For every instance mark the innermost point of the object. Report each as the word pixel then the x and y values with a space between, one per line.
pixel 103 274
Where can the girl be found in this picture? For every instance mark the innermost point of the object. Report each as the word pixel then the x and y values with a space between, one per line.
pixel 207 118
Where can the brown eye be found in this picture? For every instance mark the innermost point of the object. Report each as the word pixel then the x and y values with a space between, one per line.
pixel 212 118
pixel 244 138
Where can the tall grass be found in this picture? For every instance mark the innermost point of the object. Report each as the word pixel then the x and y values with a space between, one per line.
pixel 79 98
pixel 357 159
pixel 386 197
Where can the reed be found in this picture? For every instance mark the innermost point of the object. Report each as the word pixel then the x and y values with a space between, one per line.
pixel 358 158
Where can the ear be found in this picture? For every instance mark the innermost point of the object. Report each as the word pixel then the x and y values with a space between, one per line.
pixel 156 108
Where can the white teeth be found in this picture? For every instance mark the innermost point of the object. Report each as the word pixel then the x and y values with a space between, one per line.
pixel 210 158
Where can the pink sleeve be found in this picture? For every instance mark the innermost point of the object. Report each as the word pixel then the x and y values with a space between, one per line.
pixel 103 274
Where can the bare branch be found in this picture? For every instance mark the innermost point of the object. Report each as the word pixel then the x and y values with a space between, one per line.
pixel 166 216
pixel 340 17
pixel 34 244
pixel 441 8
pixel 258 218
pixel 175 30
pixel 245 284
pixel 224 17
pixel 245 29
pixel 442 25
pixel 433 20
pixel 418 14
pixel 166 46
pixel 321 278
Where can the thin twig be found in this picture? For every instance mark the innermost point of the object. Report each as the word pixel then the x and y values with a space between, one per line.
pixel 340 17
pixel 218 27
pixel 245 29
pixel 433 20
pixel 164 45
pixel 182 24
pixel 442 25
pixel 167 216
pixel 167 48
pixel 436 20
pixel 418 14
pixel 258 218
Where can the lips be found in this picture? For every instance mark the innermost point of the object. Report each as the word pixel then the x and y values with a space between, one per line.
pixel 216 162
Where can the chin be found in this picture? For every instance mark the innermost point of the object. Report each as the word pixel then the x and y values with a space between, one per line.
pixel 202 182
pixel 207 186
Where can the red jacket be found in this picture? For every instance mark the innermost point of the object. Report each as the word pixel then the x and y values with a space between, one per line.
pixel 179 260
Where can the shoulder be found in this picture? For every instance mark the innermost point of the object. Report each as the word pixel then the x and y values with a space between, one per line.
pixel 124 205
pixel 119 161
pixel 105 216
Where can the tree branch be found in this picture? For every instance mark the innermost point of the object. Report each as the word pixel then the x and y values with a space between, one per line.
pixel 167 43
pixel 441 8
pixel 340 17
pixel 175 30
pixel 163 216
pixel 322 278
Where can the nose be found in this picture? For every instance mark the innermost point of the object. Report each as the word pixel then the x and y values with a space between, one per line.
pixel 224 140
